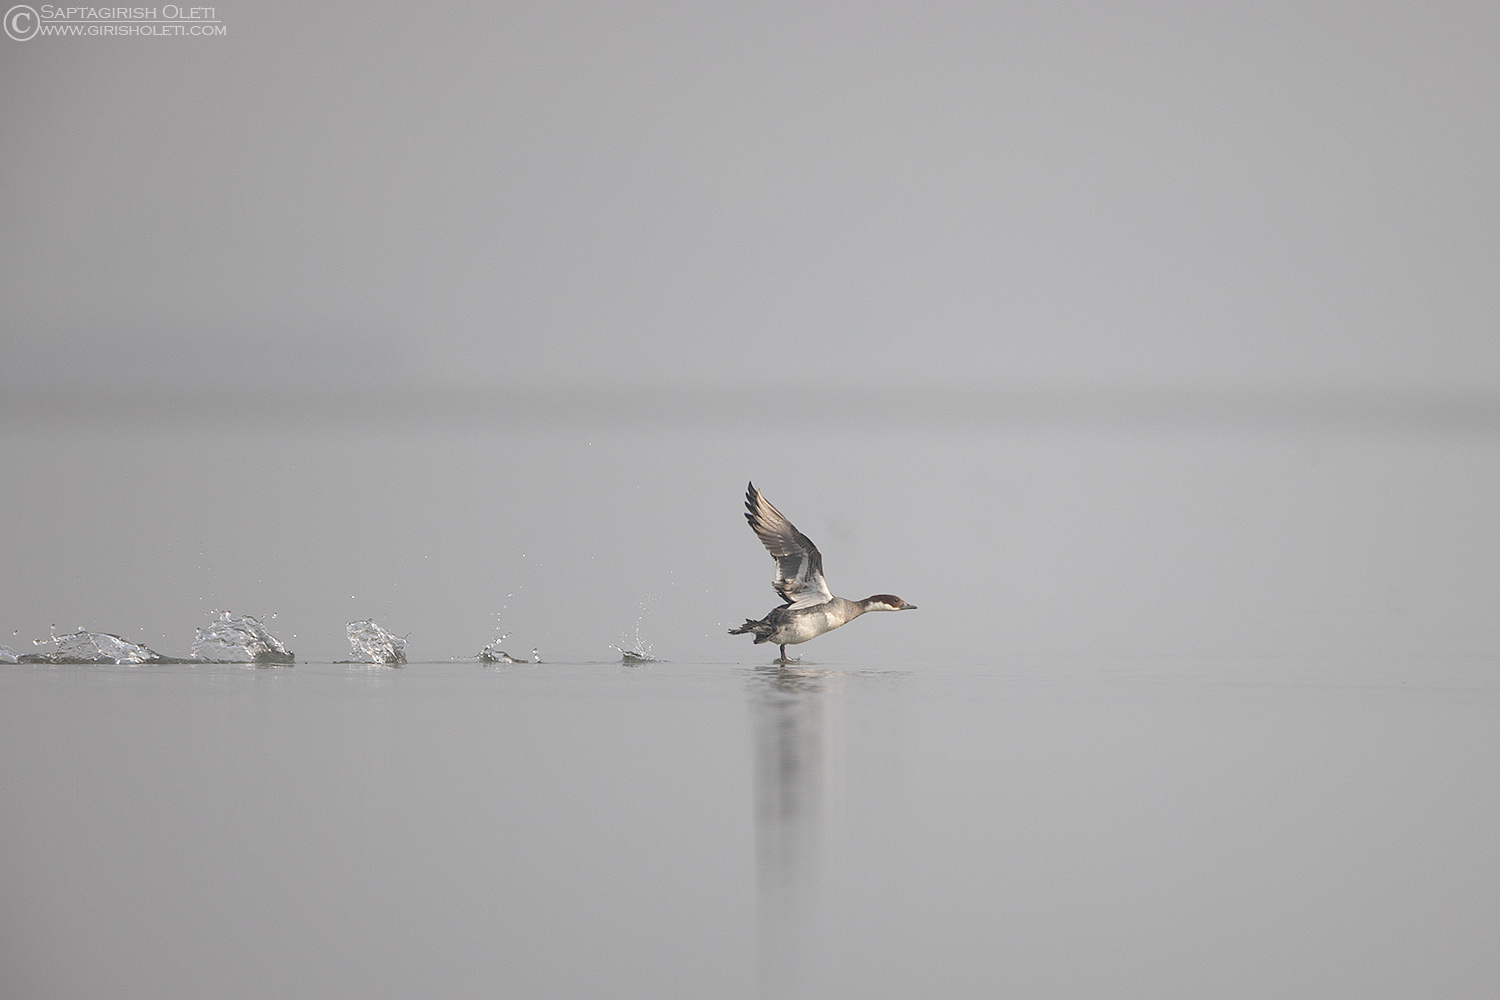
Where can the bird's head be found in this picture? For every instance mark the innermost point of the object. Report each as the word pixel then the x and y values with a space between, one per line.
pixel 886 602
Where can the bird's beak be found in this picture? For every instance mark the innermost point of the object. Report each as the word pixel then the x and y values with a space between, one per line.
pixel 907 607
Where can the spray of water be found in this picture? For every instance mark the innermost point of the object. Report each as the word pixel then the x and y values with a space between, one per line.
pixel 369 643
pixel 636 652
pixel 84 646
pixel 239 639
pixel 492 653
pixel 633 648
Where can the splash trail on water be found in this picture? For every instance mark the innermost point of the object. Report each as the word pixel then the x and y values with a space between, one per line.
pixel 369 643
pixel 84 646
pixel 635 649
pixel 494 654
pixel 239 639
pixel 634 655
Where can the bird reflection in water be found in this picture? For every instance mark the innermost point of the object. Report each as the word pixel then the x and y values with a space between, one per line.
pixel 799 739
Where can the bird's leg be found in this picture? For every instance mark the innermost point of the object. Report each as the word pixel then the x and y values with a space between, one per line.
pixel 783 654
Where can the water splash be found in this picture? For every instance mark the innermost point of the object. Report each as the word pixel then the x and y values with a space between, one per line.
pixel 237 639
pixel 84 646
pixel 635 649
pixel 372 644
pixel 494 654
pixel 635 654
pixel 8 655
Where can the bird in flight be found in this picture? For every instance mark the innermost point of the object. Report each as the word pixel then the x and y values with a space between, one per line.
pixel 810 608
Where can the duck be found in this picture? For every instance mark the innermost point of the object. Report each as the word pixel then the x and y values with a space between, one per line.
pixel 811 608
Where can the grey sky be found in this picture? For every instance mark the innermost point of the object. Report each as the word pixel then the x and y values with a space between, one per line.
pixel 564 193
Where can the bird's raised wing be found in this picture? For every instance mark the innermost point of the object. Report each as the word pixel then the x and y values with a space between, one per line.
pixel 799 565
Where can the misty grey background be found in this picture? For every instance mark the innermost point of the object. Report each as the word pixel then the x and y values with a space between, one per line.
pixel 542 194
pixel 1149 349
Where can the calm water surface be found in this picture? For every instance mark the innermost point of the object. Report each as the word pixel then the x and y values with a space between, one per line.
pixel 1069 827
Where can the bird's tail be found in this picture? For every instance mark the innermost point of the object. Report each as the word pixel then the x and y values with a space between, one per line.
pixel 760 630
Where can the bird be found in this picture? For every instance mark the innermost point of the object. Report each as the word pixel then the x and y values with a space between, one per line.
pixel 810 608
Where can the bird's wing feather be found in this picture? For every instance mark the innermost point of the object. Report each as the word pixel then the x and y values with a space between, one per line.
pixel 799 565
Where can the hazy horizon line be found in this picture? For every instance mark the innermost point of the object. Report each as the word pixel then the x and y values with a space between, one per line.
pixel 1450 409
